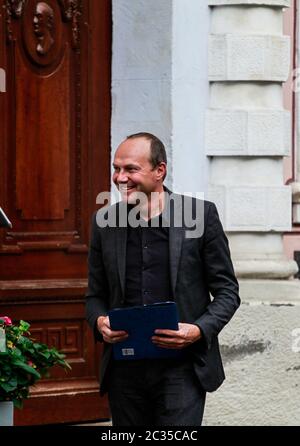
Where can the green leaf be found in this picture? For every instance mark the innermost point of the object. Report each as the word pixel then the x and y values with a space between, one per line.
pixel 18 403
pixel 27 368
pixel 7 387
pixel 24 326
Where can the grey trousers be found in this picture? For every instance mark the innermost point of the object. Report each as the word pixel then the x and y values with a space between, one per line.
pixel 152 392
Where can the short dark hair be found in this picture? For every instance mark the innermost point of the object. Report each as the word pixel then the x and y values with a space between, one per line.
pixel 157 148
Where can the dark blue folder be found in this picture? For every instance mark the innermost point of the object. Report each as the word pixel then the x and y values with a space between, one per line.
pixel 140 323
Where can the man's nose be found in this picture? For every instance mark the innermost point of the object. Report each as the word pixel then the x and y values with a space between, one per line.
pixel 122 177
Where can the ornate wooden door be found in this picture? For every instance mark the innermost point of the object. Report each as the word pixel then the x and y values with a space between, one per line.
pixel 54 160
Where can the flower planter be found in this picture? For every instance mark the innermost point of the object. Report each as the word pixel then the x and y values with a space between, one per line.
pixel 23 362
pixel 6 413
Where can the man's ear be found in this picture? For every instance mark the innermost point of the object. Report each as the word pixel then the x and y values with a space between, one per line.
pixel 161 171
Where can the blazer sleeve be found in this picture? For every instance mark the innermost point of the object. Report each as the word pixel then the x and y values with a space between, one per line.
pixel 97 291
pixel 220 278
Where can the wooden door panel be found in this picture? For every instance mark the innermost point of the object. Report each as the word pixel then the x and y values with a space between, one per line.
pixel 47 131
pixel 43 191
pixel 54 160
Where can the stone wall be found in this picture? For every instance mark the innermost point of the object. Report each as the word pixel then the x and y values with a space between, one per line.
pixel 261 352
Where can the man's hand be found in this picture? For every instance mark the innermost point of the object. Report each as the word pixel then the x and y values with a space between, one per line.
pixel 186 335
pixel 109 335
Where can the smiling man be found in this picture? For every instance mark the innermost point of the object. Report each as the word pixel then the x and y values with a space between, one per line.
pixel 139 170
pixel 156 263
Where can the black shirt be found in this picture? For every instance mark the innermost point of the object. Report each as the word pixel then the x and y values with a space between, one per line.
pixel 147 264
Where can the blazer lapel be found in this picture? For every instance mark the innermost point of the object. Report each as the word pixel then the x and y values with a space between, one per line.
pixel 121 243
pixel 176 236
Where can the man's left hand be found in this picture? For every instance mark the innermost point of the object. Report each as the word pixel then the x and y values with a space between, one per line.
pixel 186 335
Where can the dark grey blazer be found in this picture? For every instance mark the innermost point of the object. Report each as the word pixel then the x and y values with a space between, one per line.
pixel 200 267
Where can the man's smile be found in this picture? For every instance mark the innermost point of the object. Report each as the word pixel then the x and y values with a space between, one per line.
pixel 125 188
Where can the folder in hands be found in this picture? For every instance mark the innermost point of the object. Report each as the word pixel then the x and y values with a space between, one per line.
pixel 140 322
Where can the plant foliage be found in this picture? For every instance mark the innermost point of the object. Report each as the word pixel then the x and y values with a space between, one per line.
pixel 24 361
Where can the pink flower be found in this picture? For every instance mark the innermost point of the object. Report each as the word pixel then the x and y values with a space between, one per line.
pixel 7 320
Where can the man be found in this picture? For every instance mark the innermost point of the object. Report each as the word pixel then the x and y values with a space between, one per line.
pixel 153 263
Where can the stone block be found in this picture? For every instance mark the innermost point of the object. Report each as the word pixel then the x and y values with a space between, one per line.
pixel 296 213
pixel 265 268
pixel 282 3
pixel 253 208
pixel 246 19
pixel 240 57
pixel 248 133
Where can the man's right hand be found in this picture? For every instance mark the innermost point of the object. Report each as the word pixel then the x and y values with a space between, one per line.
pixel 109 335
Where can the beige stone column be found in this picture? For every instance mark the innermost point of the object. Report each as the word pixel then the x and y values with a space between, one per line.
pixel 248 132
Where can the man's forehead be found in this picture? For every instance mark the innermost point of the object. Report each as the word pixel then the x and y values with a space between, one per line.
pixel 136 149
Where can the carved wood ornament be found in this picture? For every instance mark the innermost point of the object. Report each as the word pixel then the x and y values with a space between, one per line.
pixel 14 9
pixel 70 12
pixel 43 25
